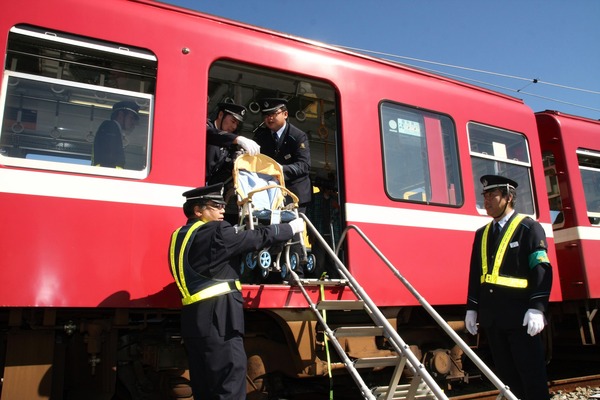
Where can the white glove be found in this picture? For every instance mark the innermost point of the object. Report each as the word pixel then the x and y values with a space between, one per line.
pixel 297 225
pixel 249 145
pixel 535 321
pixel 471 322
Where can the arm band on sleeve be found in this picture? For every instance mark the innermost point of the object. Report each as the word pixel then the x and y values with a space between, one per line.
pixel 538 257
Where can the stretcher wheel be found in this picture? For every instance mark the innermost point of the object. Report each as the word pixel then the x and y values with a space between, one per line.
pixel 294 260
pixel 312 263
pixel 284 271
pixel 264 258
pixel 250 261
pixel 264 272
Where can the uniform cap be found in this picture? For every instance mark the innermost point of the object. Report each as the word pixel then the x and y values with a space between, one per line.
pixel 269 105
pixel 490 182
pixel 128 106
pixel 212 193
pixel 238 112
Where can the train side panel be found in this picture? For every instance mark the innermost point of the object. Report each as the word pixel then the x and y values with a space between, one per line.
pixel 190 48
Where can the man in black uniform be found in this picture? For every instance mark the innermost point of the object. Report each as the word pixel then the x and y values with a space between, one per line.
pixel 287 145
pixel 222 142
pixel 221 136
pixel 108 142
pixel 509 286
pixel 212 318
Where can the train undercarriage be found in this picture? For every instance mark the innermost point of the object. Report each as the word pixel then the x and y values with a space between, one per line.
pixel 138 354
pixel 57 353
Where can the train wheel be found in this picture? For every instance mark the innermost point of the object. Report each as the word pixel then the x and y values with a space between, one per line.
pixel 255 387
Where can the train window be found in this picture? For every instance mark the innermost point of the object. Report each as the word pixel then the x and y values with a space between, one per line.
pixel 312 107
pixel 553 189
pixel 589 167
pixel 497 151
pixel 58 90
pixel 420 156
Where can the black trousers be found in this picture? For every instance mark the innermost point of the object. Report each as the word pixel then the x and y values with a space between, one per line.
pixel 520 361
pixel 217 366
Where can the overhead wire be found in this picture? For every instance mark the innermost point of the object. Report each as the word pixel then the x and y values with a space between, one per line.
pixel 508 89
pixel 483 83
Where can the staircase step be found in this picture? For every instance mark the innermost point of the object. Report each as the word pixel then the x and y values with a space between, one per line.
pixel 401 392
pixel 345 305
pixel 373 362
pixel 324 282
pixel 351 331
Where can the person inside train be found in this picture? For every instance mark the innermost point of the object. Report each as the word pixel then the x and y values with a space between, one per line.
pixel 222 142
pixel 204 260
pixel 289 146
pixel 509 286
pixel 108 143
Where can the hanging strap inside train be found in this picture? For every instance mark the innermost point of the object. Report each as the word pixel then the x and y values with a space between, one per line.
pixel 495 278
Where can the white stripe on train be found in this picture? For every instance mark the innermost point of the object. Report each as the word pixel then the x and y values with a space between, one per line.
pixel 38 183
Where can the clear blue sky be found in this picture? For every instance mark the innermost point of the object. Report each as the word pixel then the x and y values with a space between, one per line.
pixel 554 41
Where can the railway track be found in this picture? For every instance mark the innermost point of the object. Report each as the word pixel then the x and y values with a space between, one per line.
pixel 573 369
pixel 558 388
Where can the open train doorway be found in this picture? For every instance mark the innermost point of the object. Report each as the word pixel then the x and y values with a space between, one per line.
pixel 313 108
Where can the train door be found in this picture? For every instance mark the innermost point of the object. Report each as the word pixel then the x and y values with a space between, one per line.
pixel 563 218
pixel 589 169
pixel 572 165
pixel 312 107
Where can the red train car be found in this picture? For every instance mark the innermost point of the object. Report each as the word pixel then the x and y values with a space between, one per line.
pixel 571 152
pixel 87 295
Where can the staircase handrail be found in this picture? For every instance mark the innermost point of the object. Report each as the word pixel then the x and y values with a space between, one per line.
pixel 504 391
pixel 394 338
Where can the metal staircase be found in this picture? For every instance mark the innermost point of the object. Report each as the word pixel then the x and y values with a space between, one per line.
pixel 421 384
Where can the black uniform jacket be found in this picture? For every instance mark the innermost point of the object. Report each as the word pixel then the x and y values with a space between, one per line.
pixel 216 245
pixel 108 145
pixel 502 305
pixel 219 154
pixel 293 154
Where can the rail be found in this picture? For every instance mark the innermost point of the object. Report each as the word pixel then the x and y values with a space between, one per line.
pixel 396 341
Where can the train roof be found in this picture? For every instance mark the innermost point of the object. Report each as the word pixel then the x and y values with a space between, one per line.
pixel 322 45
pixel 566 115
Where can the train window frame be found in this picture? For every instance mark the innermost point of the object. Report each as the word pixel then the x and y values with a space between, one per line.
pixel 50 110
pixel 499 151
pixel 588 162
pixel 436 162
